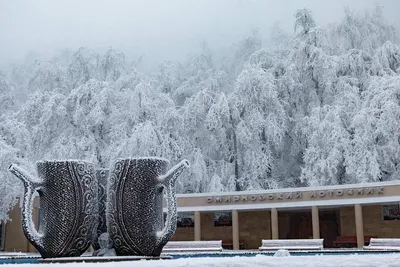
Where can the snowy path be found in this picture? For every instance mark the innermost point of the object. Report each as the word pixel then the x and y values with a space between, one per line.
pixel 382 260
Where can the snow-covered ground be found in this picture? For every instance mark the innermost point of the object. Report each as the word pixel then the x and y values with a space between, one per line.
pixel 378 260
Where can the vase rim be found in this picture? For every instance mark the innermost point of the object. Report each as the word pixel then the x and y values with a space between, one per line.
pixel 145 158
pixel 63 161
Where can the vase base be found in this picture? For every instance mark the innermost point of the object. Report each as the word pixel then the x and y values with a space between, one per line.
pixel 101 259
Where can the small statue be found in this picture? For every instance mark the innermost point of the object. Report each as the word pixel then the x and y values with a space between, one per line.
pixel 105 244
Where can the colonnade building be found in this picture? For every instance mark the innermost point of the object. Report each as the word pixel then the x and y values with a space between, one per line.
pixel 343 215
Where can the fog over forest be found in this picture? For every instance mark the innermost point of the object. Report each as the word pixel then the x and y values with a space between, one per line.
pixel 154 29
pixel 255 94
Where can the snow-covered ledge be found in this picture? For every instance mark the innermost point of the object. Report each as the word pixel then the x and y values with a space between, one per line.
pixel 292 198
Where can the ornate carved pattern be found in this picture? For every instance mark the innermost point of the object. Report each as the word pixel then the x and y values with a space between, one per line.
pixel 102 178
pixel 68 208
pixel 119 242
pixel 135 206
pixel 87 219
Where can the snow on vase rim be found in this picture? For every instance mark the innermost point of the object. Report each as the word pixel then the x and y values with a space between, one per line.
pixel 187 163
pixel 63 161
pixel 143 159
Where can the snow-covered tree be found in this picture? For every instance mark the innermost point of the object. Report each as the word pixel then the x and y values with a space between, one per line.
pixel 260 124
pixel 327 141
pixel 386 60
pixel 48 76
pixel 112 65
pixel 7 98
pixel 14 148
pixel 10 187
pixel 304 20
pixel 84 65
pixel 366 32
pixel 374 151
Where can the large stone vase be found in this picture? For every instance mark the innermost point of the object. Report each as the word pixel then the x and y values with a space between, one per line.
pixel 68 207
pixel 135 205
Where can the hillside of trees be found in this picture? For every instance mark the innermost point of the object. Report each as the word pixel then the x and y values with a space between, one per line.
pixel 320 106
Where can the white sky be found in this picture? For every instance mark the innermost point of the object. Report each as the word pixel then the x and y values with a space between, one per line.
pixel 156 29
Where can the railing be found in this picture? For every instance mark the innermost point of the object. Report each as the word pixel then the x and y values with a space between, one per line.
pixel 181 246
pixel 292 244
pixel 383 244
pixel 349 241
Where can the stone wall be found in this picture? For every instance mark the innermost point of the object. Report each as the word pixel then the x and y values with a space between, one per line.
pixel 210 232
pixel 253 227
pixel 374 225
pixel 347 221
pixel 183 234
pixel 283 224
pixel 15 238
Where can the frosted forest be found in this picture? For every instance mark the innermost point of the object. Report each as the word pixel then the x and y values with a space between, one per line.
pixel 316 106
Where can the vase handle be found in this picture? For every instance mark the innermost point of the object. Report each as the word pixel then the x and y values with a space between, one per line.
pixel 30 186
pixel 168 180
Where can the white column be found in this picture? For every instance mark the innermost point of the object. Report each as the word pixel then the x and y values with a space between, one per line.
pixel 197 226
pixel 274 224
pixel 315 222
pixel 235 229
pixel 359 225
